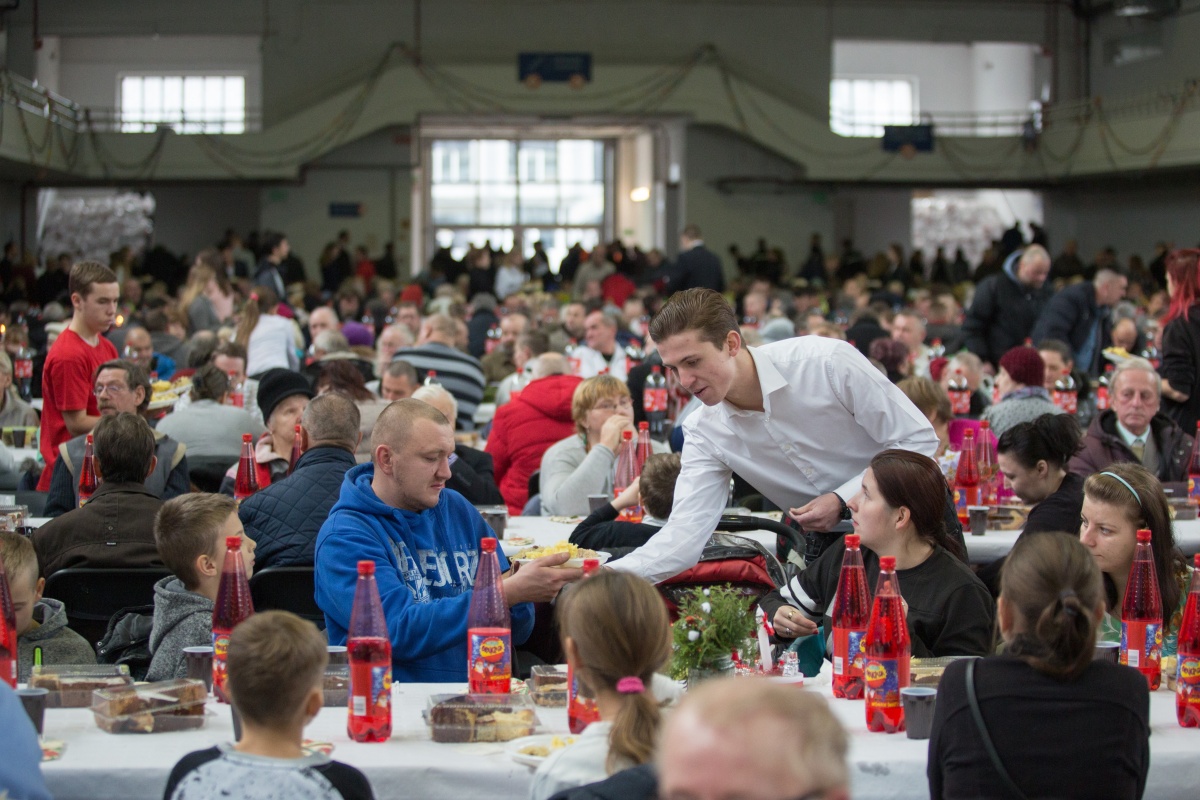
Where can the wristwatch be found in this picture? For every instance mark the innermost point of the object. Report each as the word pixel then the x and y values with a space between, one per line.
pixel 844 514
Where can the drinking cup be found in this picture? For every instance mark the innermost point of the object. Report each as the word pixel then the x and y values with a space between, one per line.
pixel 1107 651
pixel 979 519
pixel 34 701
pixel 199 664
pixel 919 702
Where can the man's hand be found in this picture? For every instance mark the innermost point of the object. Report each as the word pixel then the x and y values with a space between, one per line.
pixel 540 580
pixel 821 514
pixel 790 623
pixel 629 496
pixel 614 426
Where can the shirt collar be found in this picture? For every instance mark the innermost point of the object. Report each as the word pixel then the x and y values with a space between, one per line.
pixel 769 380
pixel 1129 437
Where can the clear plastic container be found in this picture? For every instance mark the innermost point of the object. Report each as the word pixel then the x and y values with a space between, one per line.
pixel 480 717
pixel 337 686
pixel 71 685
pixel 928 671
pixel 548 685
pixel 151 707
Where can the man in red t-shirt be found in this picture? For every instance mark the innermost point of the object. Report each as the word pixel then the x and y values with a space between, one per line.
pixel 69 404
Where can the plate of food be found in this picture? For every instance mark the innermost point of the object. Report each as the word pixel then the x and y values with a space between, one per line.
pixel 1117 355
pixel 167 393
pixel 533 750
pixel 577 554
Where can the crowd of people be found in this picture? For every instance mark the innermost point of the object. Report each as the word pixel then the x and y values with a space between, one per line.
pixel 838 395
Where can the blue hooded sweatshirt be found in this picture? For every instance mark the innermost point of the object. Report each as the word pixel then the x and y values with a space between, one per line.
pixel 425 567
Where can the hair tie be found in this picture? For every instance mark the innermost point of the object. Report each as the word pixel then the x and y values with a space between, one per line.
pixel 1127 485
pixel 1063 596
pixel 630 685
pixel 254 296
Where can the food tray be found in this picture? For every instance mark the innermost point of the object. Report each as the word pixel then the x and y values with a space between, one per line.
pixel 928 671
pixel 151 707
pixel 458 718
pixel 548 686
pixel 337 686
pixel 71 685
pixel 572 563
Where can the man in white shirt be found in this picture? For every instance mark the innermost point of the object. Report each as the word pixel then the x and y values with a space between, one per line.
pixel 799 420
pixel 602 351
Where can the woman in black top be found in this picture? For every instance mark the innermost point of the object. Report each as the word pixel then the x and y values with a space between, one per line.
pixel 1181 340
pixel 1033 458
pixel 1062 724
pixel 898 512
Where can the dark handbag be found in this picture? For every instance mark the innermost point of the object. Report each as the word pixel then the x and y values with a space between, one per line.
pixel 977 715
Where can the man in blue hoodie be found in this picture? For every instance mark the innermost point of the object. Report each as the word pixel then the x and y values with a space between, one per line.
pixel 424 540
pixel 1007 306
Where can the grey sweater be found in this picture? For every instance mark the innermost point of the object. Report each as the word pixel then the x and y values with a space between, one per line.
pixel 181 619
pixel 1007 413
pixel 569 473
pixel 60 645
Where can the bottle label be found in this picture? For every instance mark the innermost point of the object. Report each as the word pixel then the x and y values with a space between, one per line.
pixel 1193 491
pixel 376 680
pixel 848 642
pixel 220 651
pixel 960 402
pixel 654 400
pixel 491 657
pixel 882 676
pixel 1141 644
pixel 1102 398
pixel 1187 674
pixel 23 368
pixel 966 496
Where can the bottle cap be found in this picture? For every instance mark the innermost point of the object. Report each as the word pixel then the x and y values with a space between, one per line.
pixel 627 435
pixel 983 423
pixel 1143 535
pixel 1196 560
pixel 297 429
pixel 366 568
pixel 89 438
pixel 487 545
pixel 246 437
pixel 853 540
pixel 233 542
pixel 887 563
pixel 656 369
pixel 643 426
pixel 590 565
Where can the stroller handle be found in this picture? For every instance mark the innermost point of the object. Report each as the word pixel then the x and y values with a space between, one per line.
pixel 742 524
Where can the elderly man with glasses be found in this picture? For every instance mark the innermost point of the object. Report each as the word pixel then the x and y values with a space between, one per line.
pixel 119 386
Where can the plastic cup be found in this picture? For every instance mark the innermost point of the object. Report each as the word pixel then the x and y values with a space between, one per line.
pixel 338 656
pixel 979 519
pixel 1107 651
pixel 199 664
pixel 595 501
pixel 34 701
pixel 919 702
pixel 18 437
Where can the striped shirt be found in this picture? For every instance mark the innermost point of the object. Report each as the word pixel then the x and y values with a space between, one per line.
pixel 460 374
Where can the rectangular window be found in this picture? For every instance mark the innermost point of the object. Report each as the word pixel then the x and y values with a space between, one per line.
pixel 862 106
pixel 187 103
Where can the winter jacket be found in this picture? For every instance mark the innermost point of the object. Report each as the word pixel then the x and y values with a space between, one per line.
pixel 524 429
pixel 1181 366
pixel 169 479
pixel 425 566
pixel 1069 316
pixel 284 518
pixel 473 475
pixel 1004 313
pixel 60 644
pixel 181 619
pixel 1103 446
pixel 115 530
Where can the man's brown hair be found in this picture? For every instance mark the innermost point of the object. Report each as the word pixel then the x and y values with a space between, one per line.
pixel 701 310
pixel 87 273
pixel 124 448
pixel 275 659
pixel 658 484
pixel 187 527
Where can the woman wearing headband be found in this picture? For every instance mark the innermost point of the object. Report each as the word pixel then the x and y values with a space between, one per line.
pixel 1036 698
pixel 616 636
pixel 1116 504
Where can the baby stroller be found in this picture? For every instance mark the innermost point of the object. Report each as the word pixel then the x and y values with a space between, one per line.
pixel 735 560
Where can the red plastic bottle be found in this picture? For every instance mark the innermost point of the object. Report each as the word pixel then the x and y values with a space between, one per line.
pixel 247 479
pixel 850 614
pixel 87 473
pixel 886 653
pixel 431 378
pixel 1187 675
pixel 489 628
pixel 8 632
pixel 989 470
pixel 369 648
pixel 233 605
pixel 1194 471
pixel 654 402
pixel 581 703
pixel 297 449
pixel 23 372
pixel 960 394
pixel 966 478
pixel 627 472
pixel 1102 389
pixel 237 391
pixel 644 450
pixel 1142 615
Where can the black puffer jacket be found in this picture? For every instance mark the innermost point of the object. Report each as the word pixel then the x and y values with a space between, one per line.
pixel 1003 314
pixel 284 518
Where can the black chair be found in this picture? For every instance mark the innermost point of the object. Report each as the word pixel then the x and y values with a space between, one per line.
pixel 35 501
pixel 207 472
pixel 287 589
pixel 92 596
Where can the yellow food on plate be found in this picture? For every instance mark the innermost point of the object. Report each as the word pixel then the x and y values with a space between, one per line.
pixel 1119 352
pixel 161 386
pixel 564 546
pixel 542 751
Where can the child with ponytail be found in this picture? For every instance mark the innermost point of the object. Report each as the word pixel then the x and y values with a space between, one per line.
pixel 616 635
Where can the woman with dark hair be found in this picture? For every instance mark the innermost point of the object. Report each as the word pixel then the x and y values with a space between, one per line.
pixel 1038 698
pixel 1116 504
pixel 1181 340
pixel 900 512
pixel 1033 458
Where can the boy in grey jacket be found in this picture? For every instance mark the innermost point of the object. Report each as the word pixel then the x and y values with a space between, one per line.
pixel 190 532
pixel 40 623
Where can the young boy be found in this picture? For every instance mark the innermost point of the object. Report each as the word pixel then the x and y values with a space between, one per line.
pixel 190 532
pixel 40 622
pixel 654 490
pixel 276 666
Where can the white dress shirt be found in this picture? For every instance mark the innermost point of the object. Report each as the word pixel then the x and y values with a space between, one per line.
pixel 827 413
pixel 591 362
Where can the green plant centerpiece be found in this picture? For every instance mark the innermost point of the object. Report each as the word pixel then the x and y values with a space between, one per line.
pixel 713 623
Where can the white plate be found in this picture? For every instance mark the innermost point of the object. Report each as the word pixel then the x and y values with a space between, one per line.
pixel 574 563
pixel 160 404
pixel 541 740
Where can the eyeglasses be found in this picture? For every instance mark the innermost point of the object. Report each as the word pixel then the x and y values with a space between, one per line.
pixel 110 388
pixel 610 405
pixel 451 459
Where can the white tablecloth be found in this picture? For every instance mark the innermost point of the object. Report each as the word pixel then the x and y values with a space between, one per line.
pixel 410 765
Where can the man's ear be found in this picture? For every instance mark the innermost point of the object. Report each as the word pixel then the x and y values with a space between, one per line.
pixel 206 565
pixel 153 466
pixel 304 440
pixel 37 592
